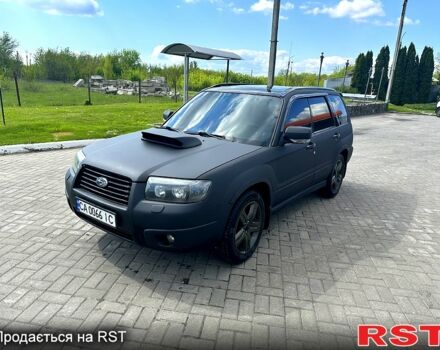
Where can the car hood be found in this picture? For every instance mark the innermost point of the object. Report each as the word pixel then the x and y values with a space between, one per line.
pixel 137 159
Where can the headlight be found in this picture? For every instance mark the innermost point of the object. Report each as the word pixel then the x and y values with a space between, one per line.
pixel 79 158
pixel 164 189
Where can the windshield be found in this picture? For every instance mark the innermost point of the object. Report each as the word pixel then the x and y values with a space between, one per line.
pixel 237 117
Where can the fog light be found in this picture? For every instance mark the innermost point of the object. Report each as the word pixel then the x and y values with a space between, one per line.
pixel 170 239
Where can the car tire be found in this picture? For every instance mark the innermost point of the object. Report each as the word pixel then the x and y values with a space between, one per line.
pixel 438 113
pixel 334 180
pixel 244 228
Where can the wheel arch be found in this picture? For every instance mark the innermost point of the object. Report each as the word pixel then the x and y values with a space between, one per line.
pixel 264 190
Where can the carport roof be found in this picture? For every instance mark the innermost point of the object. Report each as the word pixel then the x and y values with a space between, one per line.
pixel 203 53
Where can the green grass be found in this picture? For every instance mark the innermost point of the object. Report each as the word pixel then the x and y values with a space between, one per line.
pixel 421 108
pixel 45 124
pixel 33 93
pixel 56 112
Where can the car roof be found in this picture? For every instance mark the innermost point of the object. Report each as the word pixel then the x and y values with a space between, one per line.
pixel 277 90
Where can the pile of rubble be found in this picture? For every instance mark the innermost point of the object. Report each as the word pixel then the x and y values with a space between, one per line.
pixel 149 87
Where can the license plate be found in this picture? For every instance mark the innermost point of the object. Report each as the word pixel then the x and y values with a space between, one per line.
pixel 96 213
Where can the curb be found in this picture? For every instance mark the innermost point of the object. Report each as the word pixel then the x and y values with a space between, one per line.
pixel 48 146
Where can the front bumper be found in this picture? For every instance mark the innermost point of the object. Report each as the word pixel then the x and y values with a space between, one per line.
pixel 148 223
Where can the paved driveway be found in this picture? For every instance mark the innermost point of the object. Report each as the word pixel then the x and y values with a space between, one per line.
pixel 371 255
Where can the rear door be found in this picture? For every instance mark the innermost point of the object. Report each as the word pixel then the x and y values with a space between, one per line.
pixel 326 137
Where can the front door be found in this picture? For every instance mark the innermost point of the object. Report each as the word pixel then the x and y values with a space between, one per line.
pixel 293 163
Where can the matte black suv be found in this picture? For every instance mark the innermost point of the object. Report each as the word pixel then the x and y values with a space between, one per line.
pixel 216 169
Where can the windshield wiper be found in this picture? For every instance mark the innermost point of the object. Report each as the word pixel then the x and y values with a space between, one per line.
pixel 205 134
pixel 167 128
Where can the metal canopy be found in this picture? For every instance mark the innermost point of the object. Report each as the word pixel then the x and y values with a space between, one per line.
pixel 203 53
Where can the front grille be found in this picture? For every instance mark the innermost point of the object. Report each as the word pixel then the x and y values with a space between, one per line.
pixel 117 190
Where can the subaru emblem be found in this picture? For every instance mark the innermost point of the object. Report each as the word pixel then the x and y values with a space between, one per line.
pixel 101 182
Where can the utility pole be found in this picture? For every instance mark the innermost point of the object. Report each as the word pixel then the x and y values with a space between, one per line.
pixel 287 72
pixel 273 44
pixel 320 67
pixel 380 83
pixel 345 74
pixel 396 51
pixel 368 83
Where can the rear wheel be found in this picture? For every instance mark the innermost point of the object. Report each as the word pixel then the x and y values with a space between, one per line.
pixel 334 181
pixel 438 112
pixel 244 228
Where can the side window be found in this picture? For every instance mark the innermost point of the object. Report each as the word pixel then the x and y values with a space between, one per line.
pixel 321 116
pixel 338 108
pixel 298 114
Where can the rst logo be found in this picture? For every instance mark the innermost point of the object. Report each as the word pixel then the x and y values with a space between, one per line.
pixel 402 335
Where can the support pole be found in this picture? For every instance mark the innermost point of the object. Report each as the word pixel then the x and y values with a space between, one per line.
pixel 3 111
pixel 227 72
pixel 88 91
pixel 17 89
pixel 273 44
pixel 380 83
pixel 185 79
pixel 396 51
pixel 140 92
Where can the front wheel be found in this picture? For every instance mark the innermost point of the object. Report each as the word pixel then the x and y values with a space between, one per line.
pixel 438 112
pixel 334 181
pixel 244 228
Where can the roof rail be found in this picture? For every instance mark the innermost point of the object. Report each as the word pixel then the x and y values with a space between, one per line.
pixel 226 84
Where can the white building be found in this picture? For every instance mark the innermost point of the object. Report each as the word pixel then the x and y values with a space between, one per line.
pixel 333 83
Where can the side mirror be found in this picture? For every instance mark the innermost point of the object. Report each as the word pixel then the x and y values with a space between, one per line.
pixel 297 134
pixel 167 114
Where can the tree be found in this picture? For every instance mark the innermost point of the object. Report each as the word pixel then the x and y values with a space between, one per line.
pixel 367 70
pixel 362 67
pixel 129 60
pixel 437 66
pixel 359 68
pixel 382 62
pixel 426 70
pixel 108 67
pixel 56 64
pixel 173 75
pixel 8 59
pixel 399 78
pixel 409 92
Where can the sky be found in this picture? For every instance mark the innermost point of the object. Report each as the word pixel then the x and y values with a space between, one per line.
pixel 339 28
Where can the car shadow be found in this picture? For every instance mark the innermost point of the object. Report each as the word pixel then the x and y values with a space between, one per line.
pixel 316 251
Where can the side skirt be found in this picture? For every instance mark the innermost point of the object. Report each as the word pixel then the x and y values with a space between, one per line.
pixel 299 195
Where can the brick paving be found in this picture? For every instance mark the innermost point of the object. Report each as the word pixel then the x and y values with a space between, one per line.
pixel 371 255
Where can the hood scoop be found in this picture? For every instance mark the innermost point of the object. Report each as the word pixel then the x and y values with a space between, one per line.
pixel 169 138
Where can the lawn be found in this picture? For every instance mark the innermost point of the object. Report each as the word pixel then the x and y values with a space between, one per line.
pixel 45 124
pixel 34 93
pixel 56 112
pixel 421 108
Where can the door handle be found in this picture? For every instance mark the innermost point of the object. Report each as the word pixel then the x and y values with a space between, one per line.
pixel 336 136
pixel 311 145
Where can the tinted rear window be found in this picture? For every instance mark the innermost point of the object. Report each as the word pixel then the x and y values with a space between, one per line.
pixel 338 108
pixel 321 116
